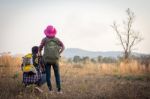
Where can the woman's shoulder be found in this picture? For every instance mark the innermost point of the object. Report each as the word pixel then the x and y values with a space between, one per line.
pixel 57 38
pixel 44 39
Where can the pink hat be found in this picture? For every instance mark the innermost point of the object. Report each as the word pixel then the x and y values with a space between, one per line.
pixel 50 31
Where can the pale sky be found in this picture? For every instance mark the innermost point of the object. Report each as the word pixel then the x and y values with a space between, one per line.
pixel 81 24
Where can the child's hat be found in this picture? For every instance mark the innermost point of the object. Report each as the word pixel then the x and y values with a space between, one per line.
pixel 50 31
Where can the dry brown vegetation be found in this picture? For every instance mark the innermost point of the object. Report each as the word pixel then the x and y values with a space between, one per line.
pixel 80 81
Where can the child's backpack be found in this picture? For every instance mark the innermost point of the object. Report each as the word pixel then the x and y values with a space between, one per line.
pixel 27 65
pixel 51 50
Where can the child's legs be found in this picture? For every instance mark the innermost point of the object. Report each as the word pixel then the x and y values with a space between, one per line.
pixel 57 75
pixel 48 76
pixel 43 79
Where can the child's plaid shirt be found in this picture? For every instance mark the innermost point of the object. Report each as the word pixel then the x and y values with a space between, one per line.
pixel 31 79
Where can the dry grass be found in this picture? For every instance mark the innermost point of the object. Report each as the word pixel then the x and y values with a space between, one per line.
pixel 81 81
pixel 132 67
pixel 9 65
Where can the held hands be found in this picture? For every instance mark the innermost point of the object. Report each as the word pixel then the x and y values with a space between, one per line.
pixel 39 54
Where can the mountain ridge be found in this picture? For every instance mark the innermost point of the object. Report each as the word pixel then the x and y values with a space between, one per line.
pixel 71 52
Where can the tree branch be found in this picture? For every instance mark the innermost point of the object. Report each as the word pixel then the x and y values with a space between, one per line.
pixel 114 26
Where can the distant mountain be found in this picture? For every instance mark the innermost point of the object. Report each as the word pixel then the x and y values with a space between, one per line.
pixel 71 52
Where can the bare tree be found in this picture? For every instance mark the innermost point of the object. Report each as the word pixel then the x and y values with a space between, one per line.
pixel 128 37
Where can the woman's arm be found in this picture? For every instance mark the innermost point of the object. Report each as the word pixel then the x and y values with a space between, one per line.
pixel 62 46
pixel 41 46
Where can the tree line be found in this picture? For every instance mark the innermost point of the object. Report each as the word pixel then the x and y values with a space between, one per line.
pixel 143 59
pixel 86 59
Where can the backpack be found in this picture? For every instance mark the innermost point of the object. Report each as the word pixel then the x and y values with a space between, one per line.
pixel 51 50
pixel 27 65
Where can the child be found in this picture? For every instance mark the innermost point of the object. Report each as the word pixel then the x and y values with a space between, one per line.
pixel 52 49
pixel 32 69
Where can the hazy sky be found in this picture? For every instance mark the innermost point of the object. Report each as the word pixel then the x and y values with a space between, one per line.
pixel 81 24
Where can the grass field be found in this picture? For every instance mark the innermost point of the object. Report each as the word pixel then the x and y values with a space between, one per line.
pixel 80 81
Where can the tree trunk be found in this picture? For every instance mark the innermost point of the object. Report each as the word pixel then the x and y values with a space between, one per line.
pixel 126 55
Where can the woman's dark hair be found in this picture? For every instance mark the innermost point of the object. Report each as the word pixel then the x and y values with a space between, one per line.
pixel 35 49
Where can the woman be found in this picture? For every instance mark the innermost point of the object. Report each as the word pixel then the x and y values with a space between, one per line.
pixel 53 47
